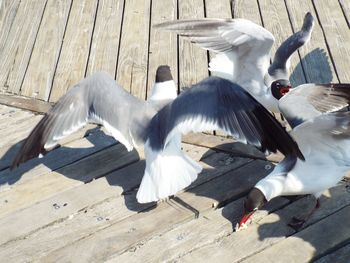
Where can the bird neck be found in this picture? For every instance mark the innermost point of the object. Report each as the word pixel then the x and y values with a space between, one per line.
pixel 163 91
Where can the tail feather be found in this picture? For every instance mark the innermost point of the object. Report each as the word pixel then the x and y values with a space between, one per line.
pixel 167 172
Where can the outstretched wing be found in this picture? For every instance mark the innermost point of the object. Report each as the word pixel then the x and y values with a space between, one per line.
pixel 279 67
pixel 311 100
pixel 243 46
pixel 96 99
pixel 214 103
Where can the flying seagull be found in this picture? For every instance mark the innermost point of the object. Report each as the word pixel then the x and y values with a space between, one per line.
pixel 214 103
pixel 323 136
pixel 243 49
pixel 99 99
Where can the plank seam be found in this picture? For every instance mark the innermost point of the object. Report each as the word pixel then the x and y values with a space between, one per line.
pixel 120 38
pixel 59 52
pixel 344 12
pixel 325 40
pixel 148 46
pixel 31 51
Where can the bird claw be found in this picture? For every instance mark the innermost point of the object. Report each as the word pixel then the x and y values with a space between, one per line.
pixel 240 227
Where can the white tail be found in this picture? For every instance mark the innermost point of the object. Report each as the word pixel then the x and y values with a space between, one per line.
pixel 167 172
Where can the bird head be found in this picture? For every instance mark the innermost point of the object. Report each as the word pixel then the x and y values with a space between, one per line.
pixel 280 87
pixel 252 203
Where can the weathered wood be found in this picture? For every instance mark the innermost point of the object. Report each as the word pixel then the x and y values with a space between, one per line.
pixel 210 227
pixel 25 103
pixel 133 55
pixel 19 43
pixel 75 49
pixel 309 243
pixel 341 255
pixel 78 217
pixel 163 45
pixel 275 19
pixel 337 35
pixel 316 62
pixel 41 69
pixel 246 9
pixel 67 177
pixel 193 60
pixel 105 41
pixel 345 5
pixel 8 10
pixel 126 234
pixel 218 9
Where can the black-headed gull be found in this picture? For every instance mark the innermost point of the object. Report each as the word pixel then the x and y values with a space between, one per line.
pixel 99 99
pixel 324 139
pixel 243 49
pixel 214 103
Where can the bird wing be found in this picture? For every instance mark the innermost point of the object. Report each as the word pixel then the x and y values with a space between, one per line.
pixel 310 100
pixel 96 99
pixel 279 68
pixel 245 43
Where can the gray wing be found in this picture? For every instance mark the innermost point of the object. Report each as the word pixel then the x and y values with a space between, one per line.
pixel 279 68
pixel 311 100
pixel 216 103
pixel 96 99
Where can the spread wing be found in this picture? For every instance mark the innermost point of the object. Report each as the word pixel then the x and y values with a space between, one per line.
pixel 96 99
pixel 310 100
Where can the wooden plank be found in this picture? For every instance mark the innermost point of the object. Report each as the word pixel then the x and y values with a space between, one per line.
pixel 275 19
pixel 345 5
pixel 67 154
pixel 105 41
pixel 269 230
pixel 210 227
pixel 133 55
pixel 193 61
pixel 8 10
pixel 19 44
pixel 220 8
pixel 120 237
pixel 78 217
pixel 246 9
pixel 163 45
pixel 341 255
pixel 67 177
pixel 25 103
pixel 316 62
pixel 41 69
pixel 337 35
pixel 75 49
pixel 309 243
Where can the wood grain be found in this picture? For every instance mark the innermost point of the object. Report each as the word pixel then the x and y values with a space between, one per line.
pixel 316 62
pixel 337 36
pixel 41 69
pixel 163 45
pixel 246 9
pixel 19 44
pixel 8 10
pixel 25 103
pixel 133 54
pixel 345 5
pixel 105 41
pixel 193 61
pixel 75 50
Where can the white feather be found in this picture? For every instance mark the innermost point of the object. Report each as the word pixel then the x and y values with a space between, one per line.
pixel 167 172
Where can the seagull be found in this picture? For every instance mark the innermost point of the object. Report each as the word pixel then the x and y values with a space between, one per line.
pixel 99 99
pixel 323 136
pixel 243 49
pixel 214 103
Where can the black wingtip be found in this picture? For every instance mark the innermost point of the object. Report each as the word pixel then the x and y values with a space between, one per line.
pixel 308 22
pixel 163 74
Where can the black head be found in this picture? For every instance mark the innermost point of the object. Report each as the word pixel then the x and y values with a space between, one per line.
pixel 163 73
pixel 253 202
pixel 280 87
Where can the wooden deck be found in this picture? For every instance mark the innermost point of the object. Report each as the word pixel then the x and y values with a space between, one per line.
pixel 77 204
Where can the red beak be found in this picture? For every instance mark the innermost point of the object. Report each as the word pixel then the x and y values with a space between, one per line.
pixel 284 90
pixel 244 220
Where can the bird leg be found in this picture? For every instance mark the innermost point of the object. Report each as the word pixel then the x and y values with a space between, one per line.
pixel 298 223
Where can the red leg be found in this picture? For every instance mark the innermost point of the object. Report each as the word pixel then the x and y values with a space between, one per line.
pixel 298 223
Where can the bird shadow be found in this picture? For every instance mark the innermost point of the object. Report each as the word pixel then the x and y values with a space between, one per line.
pixel 316 68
